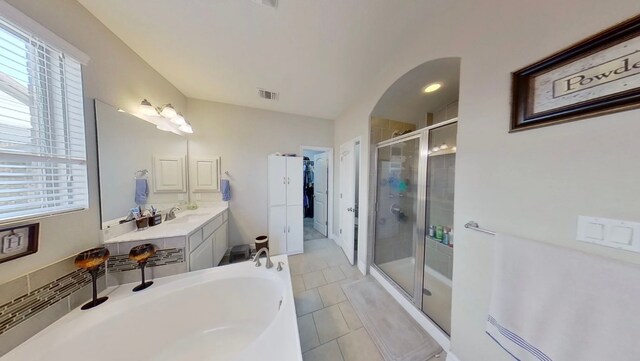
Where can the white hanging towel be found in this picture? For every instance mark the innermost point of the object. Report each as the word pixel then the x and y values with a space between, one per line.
pixel 554 304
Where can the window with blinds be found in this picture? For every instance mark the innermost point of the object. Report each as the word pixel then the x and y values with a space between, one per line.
pixel 43 167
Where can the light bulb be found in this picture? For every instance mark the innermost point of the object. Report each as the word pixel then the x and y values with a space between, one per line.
pixel 186 128
pixel 432 87
pixel 178 120
pixel 147 109
pixel 168 111
pixel 165 127
pixel 444 146
pixel 435 149
pixel 454 149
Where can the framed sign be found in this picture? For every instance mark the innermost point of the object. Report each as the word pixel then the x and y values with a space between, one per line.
pixel 599 75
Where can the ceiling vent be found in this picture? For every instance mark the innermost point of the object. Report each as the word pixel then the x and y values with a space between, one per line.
pixel 269 3
pixel 269 95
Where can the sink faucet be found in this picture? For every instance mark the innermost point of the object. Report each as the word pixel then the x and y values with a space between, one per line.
pixel 171 214
pixel 264 250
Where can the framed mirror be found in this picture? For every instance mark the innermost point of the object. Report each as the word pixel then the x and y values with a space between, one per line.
pixel 138 165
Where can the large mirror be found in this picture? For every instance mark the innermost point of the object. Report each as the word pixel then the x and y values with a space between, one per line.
pixel 139 165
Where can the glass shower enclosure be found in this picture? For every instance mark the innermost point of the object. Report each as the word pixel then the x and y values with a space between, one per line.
pixel 413 242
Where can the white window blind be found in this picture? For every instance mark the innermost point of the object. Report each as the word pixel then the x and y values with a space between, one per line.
pixel 43 167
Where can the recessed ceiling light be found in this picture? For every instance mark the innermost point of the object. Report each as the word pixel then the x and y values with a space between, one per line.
pixel 432 87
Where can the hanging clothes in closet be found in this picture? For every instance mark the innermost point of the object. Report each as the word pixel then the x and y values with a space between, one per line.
pixel 308 187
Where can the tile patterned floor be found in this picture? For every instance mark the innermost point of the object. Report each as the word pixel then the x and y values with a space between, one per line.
pixel 329 328
pixel 310 233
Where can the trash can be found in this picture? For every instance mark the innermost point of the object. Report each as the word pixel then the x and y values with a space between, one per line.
pixel 261 242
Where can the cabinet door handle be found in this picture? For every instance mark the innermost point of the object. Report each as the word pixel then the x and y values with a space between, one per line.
pixel 289 229
pixel 285 229
pixel 288 180
pixel 284 180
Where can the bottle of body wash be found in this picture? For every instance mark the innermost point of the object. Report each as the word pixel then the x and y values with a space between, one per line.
pixel 439 232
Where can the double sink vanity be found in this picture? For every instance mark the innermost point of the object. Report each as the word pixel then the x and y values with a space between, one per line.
pixel 194 240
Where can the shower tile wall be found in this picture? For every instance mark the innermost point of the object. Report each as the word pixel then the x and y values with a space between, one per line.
pixel 384 129
pixel 440 189
pixel 447 112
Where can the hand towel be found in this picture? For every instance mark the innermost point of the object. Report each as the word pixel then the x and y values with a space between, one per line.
pixel 142 191
pixel 554 304
pixel 225 188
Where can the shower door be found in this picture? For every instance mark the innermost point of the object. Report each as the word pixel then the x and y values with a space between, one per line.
pixel 438 259
pixel 413 235
pixel 399 221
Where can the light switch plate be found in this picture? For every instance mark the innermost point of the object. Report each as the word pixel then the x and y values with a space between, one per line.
pixel 12 242
pixel 609 232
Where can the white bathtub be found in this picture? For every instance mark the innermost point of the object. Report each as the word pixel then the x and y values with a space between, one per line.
pixel 236 312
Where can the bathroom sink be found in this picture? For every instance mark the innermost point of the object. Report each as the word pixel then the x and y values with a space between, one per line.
pixel 187 218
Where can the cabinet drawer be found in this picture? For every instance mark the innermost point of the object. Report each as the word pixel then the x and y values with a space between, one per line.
pixel 210 227
pixel 195 239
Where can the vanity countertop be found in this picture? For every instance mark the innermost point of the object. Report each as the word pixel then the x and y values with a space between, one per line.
pixel 184 223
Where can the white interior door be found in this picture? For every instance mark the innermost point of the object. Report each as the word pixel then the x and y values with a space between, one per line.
pixel 347 199
pixel 295 181
pixel 277 181
pixel 320 192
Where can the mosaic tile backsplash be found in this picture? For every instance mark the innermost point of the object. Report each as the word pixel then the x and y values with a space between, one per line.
pixel 122 263
pixel 32 302
pixel 22 308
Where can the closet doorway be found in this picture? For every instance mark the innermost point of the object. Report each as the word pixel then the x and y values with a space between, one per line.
pixel 317 191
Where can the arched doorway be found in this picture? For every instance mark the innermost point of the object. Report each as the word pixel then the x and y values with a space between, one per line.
pixel 413 142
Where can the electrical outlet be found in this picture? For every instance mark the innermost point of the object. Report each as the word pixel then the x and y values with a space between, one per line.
pixel 13 242
pixel 18 241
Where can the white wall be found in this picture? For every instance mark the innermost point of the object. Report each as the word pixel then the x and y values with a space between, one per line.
pixel 115 75
pixel 243 137
pixel 532 184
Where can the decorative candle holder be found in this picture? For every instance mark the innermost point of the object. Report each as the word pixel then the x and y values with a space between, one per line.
pixel 91 260
pixel 141 254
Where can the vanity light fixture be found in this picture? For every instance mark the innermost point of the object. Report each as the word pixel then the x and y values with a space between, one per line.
pixel 432 87
pixel 165 118
pixel 435 149
pixel 444 146
pixel 178 120
pixel 186 128
pixel 168 111
pixel 454 149
pixel 147 109
pixel 164 126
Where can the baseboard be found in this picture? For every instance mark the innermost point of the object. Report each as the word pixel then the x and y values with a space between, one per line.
pixel 434 331
pixel 335 239
pixel 451 357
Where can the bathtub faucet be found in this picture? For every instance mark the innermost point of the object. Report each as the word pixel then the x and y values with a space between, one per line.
pixel 264 250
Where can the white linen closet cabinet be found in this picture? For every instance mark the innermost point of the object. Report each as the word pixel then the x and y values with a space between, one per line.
pixel 286 232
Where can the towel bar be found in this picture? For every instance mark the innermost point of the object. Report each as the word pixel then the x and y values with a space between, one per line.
pixel 474 225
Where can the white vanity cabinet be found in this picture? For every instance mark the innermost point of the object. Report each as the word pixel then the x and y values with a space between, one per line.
pixel 195 240
pixel 207 245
